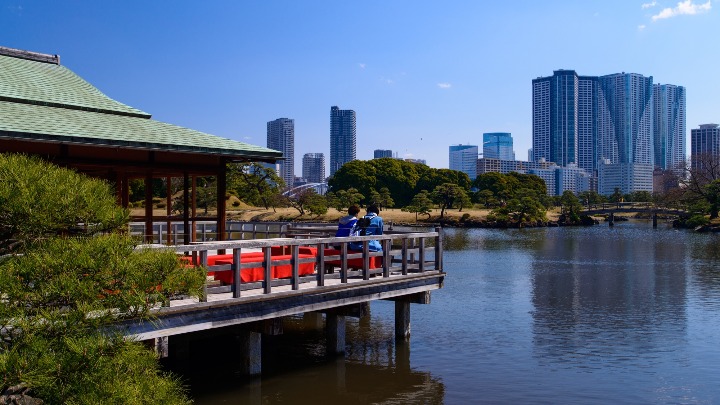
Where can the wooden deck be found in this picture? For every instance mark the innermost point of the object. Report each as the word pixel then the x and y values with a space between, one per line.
pixel 411 268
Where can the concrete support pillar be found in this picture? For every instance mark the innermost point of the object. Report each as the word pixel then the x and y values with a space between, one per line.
pixel 402 320
pixel 250 352
pixel 161 346
pixel 335 331
pixel 313 320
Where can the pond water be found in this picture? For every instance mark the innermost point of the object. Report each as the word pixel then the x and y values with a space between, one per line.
pixel 623 315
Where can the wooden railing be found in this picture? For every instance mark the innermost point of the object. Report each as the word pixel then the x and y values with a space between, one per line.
pixel 402 254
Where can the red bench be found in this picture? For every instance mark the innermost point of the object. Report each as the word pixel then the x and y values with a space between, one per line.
pixel 258 273
pixel 375 262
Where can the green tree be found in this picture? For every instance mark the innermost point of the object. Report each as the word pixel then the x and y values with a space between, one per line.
pixel 357 174
pixel 64 285
pixel 420 204
pixel 255 184
pixel 570 206
pixel 386 200
pixel 485 197
pixel 446 194
pixel 712 195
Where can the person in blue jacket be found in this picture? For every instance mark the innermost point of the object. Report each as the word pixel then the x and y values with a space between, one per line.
pixel 347 223
pixel 370 224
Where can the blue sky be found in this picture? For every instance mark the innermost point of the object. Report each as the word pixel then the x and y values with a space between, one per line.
pixel 421 75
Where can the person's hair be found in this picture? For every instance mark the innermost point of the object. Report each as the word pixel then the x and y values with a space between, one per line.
pixel 373 208
pixel 354 210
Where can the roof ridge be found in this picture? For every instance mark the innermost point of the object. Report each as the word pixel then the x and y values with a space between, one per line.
pixel 34 56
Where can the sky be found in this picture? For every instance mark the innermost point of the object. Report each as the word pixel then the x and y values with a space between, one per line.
pixel 420 75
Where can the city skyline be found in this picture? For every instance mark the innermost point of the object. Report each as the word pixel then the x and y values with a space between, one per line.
pixel 415 90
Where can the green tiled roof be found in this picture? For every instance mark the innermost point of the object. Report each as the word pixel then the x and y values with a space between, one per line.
pixel 47 102
pixel 50 84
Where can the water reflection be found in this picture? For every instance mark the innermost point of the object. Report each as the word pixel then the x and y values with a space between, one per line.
pixel 618 296
pixel 296 369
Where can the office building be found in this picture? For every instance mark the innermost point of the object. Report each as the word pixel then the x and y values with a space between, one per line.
pixel 281 137
pixel 343 138
pixel 557 179
pixel 382 153
pixel 498 145
pixel 313 167
pixel 463 158
pixel 669 127
pixel 704 143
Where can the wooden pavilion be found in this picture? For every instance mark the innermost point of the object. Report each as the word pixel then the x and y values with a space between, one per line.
pixel 49 111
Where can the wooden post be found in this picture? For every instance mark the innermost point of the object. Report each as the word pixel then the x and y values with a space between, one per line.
pixel 366 261
pixel 402 320
pixel 335 331
pixel 186 206
pixel 404 257
pixel 421 254
pixel 236 272
pixel 168 208
pixel 204 263
pixel 438 249
pixel 612 219
pixel 343 262
pixel 193 209
pixel 148 208
pixel 295 267
pixel 386 244
pixel 267 270
pixel 320 264
pixel 251 352
pixel 655 218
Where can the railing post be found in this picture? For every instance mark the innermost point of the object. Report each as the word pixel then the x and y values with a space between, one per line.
pixel 438 248
pixel 386 244
pixel 320 264
pixel 237 270
pixel 404 257
pixel 295 267
pixel 421 254
pixel 203 263
pixel 268 270
pixel 366 260
pixel 343 262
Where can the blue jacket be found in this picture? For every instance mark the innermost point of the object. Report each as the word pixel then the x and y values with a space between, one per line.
pixel 375 228
pixel 345 226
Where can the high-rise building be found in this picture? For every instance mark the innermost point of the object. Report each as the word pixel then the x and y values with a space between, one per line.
pixel 281 137
pixel 313 167
pixel 498 145
pixel 704 141
pixel 555 117
pixel 669 127
pixel 625 133
pixel 382 153
pixel 343 139
pixel 463 158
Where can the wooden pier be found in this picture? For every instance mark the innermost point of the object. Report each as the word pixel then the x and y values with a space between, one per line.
pixel 267 279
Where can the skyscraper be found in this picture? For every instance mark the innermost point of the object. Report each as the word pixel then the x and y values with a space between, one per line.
pixel 669 127
pixel 464 158
pixel 313 167
pixel 342 138
pixel 625 133
pixel 281 137
pixel 704 141
pixel 498 145
pixel 555 117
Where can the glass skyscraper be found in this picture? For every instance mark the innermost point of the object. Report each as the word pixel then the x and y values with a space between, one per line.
pixel 669 127
pixel 281 137
pixel 704 141
pixel 343 138
pixel 555 117
pixel 464 158
pixel 498 145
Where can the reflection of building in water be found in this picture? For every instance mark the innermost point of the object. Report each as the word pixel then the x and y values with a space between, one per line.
pixel 610 287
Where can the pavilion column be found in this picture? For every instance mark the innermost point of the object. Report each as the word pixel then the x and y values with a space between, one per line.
pixel 221 209
pixel 186 208
pixel 148 208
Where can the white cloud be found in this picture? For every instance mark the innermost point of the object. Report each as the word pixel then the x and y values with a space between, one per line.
pixel 683 8
pixel 641 27
pixel 444 85
pixel 362 65
pixel 649 5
